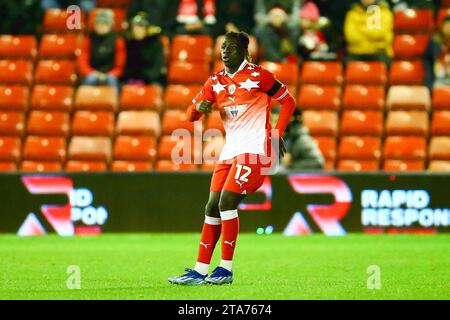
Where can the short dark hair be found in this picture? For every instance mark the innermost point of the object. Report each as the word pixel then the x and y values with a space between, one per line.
pixel 240 37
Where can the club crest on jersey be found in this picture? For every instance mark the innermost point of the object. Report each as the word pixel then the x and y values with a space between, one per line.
pixel 234 111
pixel 231 89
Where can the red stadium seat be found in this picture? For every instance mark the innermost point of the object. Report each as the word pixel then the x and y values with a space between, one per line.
pixel 139 123
pixel 48 123
pixel 437 166
pixel 408 98
pixel 61 72
pixel 319 97
pixel 405 148
pixel 59 46
pixel 85 166
pixel 57 98
pixel 321 123
pixel 176 119
pixel 168 143
pixel 441 98
pixel 90 148
pixel 119 18
pixel 40 166
pixel 8 166
pixel 131 166
pixel 55 21
pixel 192 48
pixel 363 97
pixel 10 149
pixel 407 123
pixel 16 72
pixel 44 148
pixel 439 148
pixel 362 123
pixel 14 98
pixel 188 73
pixel 407 73
pixel 440 124
pixel 180 96
pixel 403 165
pixel 414 21
pixel 135 148
pixel 18 47
pixel 214 121
pixel 12 123
pixel 408 46
pixel 212 149
pixel 141 97
pixel 252 48
pixel 322 73
pixel 327 146
pixel 358 165
pixel 369 73
pixel 167 165
pixel 360 148
pixel 286 72
pixel 96 98
pixel 93 123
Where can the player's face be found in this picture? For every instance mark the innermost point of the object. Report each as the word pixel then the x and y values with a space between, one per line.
pixel 232 55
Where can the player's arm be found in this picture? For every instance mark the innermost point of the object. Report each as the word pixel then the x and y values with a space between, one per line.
pixel 202 103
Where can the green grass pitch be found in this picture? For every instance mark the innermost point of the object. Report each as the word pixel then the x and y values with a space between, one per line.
pixel 136 266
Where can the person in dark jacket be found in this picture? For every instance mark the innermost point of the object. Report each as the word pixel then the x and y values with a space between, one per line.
pixel 145 53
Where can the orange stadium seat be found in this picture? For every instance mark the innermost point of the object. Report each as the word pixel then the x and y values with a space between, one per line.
pixel 360 123
pixel 409 46
pixel 168 143
pixel 439 148
pixel 7 166
pixel 16 72
pixel 57 98
pixel 96 98
pixel 212 148
pixel 329 72
pixel 286 72
pixel 93 123
pixel 141 97
pixel 441 98
pixel 403 165
pixel 408 98
pixel 14 98
pixel 10 149
pixel 44 148
pixel 407 123
pixel 214 121
pixel 139 123
pixel 40 166
pixel 327 146
pixel 188 73
pixel 369 73
pixel 135 148
pixel 414 20
pixel 85 166
pixel 407 73
pixel 12 123
pixel 192 48
pixel 252 48
pixel 434 166
pixel 440 123
pixel 59 46
pixel 358 165
pixel 167 165
pixel 131 166
pixel 119 18
pixel 321 123
pixel 18 47
pixel 175 119
pixel 319 97
pixel 360 148
pixel 48 123
pixel 180 96
pixel 55 21
pixel 61 72
pixel 90 148
pixel 405 148
pixel 363 97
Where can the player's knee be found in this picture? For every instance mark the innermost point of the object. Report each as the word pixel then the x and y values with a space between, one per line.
pixel 226 203
pixel 212 209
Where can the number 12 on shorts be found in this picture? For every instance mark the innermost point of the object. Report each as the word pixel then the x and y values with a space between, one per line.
pixel 243 177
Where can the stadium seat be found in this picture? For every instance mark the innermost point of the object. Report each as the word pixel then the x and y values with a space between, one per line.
pixel 96 98
pixel 14 98
pixel 55 21
pixel 10 149
pixel 90 148
pixel 327 146
pixel 439 148
pixel 407 123
pixel 362 123
pixel 286 72
pixel 360 148
pixel 168 143
pixel 413 21
pixel 57 98
pixel 192 48
pixel 434 166
pixel 188 73
pixel 8 166
pixel 407 73
pixel 368 73
pixel 367 97
pixel 139 123
pixel 119 18
pixel 59 46
pixel 176 119
pixel 407 46
pixel 167 165
pixel 405 148
pixel 441 98
pixel 48 123
pixel 18 47
pixel 329 73
pixel 212 148
pixel 62 72
pixel 12 123
pixel 85 166
pixel 141 97
pixel 131 166
pixel 214 121
pixel 319 97
pixel 93 123
pixel 40 166
pixel 252 48
pixel 166 47
pixel 16 72
pixel 135 148
pixel 440 123
pixel 408 98
pixel 358 165
pixel 321 123
pixel 44 148
pixel 180 96
pixel 403 165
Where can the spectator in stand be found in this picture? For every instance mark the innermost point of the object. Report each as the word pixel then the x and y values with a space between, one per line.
pixel 85 5
pixel 152 8
pixel 405 4
pixel 442 64
pixel 195 17
pixel 145 53
pixel 263 8
pixel 234 16
pixel 103 54
pixel 368 39
pixel 20 16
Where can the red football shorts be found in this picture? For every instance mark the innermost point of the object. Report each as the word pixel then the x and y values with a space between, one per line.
pixel 243 174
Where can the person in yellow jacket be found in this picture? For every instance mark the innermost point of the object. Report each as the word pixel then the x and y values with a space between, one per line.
pixel 368 30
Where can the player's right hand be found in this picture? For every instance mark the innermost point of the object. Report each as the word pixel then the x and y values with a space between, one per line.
pixel 204 106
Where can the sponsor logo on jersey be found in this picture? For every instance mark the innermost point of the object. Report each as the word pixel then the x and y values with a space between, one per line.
pixel 234 111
